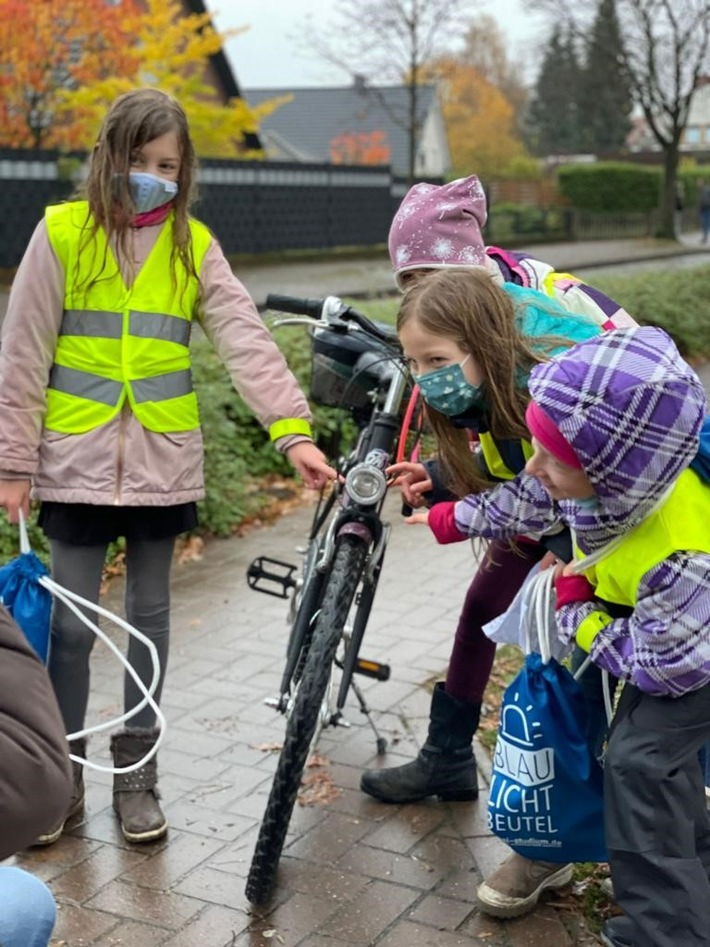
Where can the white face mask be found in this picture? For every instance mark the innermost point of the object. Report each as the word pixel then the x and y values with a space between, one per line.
pixel 150 191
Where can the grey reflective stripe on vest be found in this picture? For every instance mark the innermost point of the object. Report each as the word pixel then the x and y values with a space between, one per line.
pixel 162 387
pixel 71 381
pixel 109 325
pixel 156 325
pixel 92 322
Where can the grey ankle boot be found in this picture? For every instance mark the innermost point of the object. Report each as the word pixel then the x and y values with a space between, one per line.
pixel 135 794
pixel 76 803
pixel 445 766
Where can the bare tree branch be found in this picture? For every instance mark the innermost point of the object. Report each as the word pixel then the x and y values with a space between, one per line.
pixel 385 41
pixel 665 53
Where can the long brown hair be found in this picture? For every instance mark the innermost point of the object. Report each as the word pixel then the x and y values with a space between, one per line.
pixel 133 120
pixel 467 307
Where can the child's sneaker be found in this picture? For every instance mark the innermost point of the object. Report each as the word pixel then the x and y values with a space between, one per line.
pixel 515 887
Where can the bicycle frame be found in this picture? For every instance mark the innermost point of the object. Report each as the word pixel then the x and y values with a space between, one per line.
pixel 336 515
pixel 332 596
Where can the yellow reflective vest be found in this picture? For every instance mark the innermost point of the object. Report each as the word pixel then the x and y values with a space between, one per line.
pixel 495 464
pixel 680 524
pixel 118 342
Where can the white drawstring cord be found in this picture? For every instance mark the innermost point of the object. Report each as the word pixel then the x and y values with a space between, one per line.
pixel 69 598
pixel 539 598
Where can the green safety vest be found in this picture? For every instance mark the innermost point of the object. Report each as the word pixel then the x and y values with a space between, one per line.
pixel 682 523
pixel 117 343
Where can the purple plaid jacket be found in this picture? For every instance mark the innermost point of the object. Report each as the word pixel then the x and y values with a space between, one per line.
pixel 632 409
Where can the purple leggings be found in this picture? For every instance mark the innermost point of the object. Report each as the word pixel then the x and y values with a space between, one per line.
pixel 493 588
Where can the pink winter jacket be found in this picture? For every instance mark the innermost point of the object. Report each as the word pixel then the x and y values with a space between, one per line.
pixel 122 462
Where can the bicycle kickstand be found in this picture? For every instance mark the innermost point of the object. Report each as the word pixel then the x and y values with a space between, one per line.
pixel 381 741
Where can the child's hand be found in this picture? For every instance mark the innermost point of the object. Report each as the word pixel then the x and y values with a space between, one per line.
pixel 548 561
pixel 413 481
pixel 15 496
pixel 310 464
pixel 417 519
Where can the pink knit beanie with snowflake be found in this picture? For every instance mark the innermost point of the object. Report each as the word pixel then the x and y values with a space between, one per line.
pixel 439 225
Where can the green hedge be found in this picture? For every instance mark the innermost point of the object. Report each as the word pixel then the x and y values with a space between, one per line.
pixel 610 186
pixel 508 223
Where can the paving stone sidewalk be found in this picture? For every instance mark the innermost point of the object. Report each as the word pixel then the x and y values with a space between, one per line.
pixel 354 871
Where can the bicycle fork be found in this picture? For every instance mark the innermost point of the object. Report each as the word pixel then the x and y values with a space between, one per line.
pixel 352 663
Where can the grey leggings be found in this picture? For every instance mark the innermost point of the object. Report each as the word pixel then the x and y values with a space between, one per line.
pixel 147 605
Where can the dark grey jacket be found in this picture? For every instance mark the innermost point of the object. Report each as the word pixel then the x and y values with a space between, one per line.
pixel 35 772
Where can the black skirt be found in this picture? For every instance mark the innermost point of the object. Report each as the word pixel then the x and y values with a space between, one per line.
pixel 83 524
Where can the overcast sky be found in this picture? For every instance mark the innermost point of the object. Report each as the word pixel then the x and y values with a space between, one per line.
pixel 265 56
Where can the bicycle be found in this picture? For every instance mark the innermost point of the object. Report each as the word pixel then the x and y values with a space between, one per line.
pixel 356 364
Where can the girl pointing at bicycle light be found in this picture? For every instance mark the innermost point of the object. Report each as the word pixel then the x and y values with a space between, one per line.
pixel 437 230
pixel 615 424
pixel 97 409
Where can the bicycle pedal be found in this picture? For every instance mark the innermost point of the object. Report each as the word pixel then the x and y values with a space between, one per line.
pixel 271 576
pixel 380 672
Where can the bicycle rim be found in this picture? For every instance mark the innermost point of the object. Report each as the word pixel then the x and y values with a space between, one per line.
pixel 348 563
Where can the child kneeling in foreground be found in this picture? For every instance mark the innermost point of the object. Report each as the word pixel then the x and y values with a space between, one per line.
pixel 615 423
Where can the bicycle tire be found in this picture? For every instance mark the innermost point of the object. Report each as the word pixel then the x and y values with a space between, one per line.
pixel 347 568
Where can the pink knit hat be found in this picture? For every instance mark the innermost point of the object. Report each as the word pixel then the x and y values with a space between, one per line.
pixel 437 226
pixel 544 429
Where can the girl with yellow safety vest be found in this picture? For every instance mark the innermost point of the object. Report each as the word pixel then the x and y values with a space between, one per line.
pixel 98 415
pixel 615 425
pixel 439 228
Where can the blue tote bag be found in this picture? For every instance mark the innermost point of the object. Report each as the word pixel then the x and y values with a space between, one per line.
pixel 29 603
pixel 546 794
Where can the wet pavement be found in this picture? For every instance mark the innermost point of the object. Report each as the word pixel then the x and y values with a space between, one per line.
pixel 354 871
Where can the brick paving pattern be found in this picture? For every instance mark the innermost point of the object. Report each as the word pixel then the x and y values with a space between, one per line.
pixel 354 871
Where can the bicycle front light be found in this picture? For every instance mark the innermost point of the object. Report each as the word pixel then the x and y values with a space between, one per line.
pixel 365 484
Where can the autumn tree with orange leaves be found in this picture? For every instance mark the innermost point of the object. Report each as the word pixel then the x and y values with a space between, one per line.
pixel 480 121
pixel 48 47
pixel 72 58
pixel 360 148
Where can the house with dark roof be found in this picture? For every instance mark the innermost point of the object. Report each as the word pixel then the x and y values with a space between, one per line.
pixel 357 124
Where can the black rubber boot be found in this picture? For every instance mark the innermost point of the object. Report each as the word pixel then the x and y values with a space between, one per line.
pixel 445 766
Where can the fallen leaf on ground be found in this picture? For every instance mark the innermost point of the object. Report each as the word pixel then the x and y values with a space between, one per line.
pixel 318 789
pixel 317 760
pixel 191 551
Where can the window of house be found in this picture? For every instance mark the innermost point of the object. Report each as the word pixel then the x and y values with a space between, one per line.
pixel 692 135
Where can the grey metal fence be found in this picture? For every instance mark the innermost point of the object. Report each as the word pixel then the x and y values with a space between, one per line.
pixel 252 207
pixel 269 206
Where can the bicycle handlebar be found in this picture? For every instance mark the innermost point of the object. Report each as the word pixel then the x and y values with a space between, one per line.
pixel 292 304
pixel 331 309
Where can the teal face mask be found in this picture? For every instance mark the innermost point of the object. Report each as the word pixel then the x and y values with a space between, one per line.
pixel 448 390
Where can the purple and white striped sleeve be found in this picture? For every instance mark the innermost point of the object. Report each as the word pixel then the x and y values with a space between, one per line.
pixel 518 507
pixel 664 646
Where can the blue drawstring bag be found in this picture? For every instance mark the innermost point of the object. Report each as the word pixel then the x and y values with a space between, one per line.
pixel 22 595
pixel 546 794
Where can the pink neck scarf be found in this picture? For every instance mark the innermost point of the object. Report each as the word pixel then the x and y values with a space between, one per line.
pixel 151 217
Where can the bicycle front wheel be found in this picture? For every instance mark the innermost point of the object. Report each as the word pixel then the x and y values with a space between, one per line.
pixel 348 564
